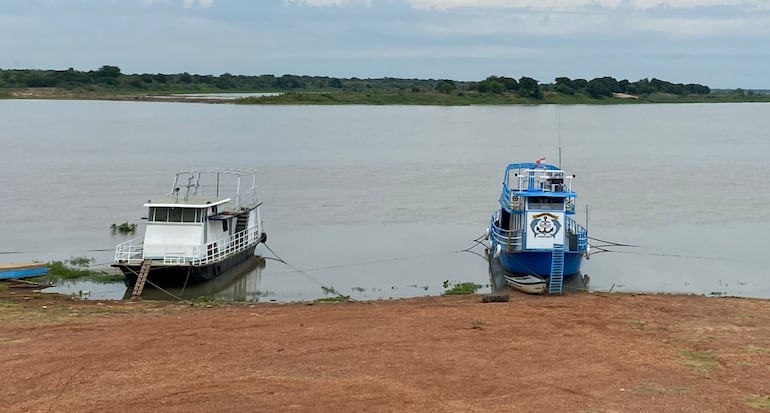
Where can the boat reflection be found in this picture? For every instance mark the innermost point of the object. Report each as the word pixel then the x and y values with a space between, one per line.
pixel 240 283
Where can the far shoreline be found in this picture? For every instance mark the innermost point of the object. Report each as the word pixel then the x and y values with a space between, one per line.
pixel 379 98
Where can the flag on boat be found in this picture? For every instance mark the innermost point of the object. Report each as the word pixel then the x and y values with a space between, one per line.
pixel 540 162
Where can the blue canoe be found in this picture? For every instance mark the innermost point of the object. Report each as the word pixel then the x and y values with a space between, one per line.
pixel 15 271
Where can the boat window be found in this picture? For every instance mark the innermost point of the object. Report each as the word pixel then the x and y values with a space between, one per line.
pixel 175 214
pixel 188 215
pixel 546 203
pixel 159 214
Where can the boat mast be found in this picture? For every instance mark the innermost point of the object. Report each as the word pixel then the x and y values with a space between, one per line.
pixel 559 134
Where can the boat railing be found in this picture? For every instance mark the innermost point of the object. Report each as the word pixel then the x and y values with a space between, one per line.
pixel 130 251
pixel 538 179
pixel 582 234
pixel 222 248
pixel 512 240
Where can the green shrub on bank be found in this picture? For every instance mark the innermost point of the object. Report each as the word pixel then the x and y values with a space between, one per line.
pixel 465 288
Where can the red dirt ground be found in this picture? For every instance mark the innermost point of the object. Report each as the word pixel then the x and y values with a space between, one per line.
pixel 576 353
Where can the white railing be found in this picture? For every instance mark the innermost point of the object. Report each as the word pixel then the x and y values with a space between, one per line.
pixel 131 252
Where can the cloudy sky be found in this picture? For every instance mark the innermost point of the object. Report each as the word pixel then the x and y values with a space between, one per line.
pixel 719 43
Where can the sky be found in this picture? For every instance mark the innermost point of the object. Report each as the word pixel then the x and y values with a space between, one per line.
pixel 718 43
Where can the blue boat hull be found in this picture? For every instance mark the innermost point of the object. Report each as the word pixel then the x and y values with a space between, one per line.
pixel 23 273
pixel 539 263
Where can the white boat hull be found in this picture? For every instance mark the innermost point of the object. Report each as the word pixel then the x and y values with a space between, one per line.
pixel 527 284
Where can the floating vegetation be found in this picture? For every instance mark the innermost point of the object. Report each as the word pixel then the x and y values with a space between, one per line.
pixel 124 228
pixel 76 268
pixel 464 288
pixel 337 297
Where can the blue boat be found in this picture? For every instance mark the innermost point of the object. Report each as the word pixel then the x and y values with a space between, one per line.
pixel 16 271
pixel 534 237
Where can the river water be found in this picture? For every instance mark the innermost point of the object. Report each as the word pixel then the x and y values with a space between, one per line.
pixel 376 201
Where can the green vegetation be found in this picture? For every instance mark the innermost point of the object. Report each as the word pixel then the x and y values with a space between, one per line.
pixel 109 82
pixel 336 297
pixel 755 349
pixel 124 228
pixel 76 268
pixel 658 389
pixel 465 288
pixel 702 361
pixel 759 402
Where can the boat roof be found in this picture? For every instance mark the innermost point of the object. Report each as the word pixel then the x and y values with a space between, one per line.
pixel 531 165
pixel 196 203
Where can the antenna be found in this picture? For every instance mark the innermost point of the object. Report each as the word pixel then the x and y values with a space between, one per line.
pixel 558 113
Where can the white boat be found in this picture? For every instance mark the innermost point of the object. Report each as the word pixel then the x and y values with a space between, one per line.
pixel 527 283
pixel 209 223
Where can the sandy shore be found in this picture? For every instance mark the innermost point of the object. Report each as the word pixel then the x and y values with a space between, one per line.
pixel 576 353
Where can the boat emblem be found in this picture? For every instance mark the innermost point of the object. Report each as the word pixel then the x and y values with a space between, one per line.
pixel 545 225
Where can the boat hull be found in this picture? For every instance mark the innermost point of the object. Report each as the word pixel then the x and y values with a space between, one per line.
pixel 16 271
pixel 539 263
pixel 170 275
pixel 502 280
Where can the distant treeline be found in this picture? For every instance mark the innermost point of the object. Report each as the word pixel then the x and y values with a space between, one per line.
pixel 110 78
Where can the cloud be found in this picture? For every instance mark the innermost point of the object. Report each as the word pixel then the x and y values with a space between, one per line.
pixel 188 4
pixel 327 3
pixel 548 5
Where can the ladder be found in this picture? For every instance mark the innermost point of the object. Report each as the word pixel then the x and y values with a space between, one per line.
pixel 144 271
pixel 557 270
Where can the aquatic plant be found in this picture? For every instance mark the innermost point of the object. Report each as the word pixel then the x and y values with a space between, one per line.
pixel 80 261
pixel 337 298
pixel 124 228
pixel 464 288
pixel 61 271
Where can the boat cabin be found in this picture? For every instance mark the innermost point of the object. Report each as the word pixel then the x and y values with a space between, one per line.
pixel 537 205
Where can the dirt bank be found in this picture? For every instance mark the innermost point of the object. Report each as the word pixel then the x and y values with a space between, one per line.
pixel 577 353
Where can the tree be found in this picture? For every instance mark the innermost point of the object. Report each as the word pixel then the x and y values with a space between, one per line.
pixel 530 88
pixel 565 86
pixel 446 86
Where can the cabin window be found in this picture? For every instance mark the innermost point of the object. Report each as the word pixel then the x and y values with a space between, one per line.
pixel 188 215
pixel 159 214
pixel 224 225
pixel 175 214
pixel 546 203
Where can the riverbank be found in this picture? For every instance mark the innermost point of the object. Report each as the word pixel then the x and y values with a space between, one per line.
pixel 577 353
pixel 372 97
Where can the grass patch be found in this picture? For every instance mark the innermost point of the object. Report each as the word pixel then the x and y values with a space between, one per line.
pixel 662 390
pixel 635 324
pixel 755 349
pixel 759 402
pixel 465 288
pixel 76 268
pixel 702 361
pixel 3 287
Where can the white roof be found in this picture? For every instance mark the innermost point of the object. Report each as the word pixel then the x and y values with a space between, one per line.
pixel 185 204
